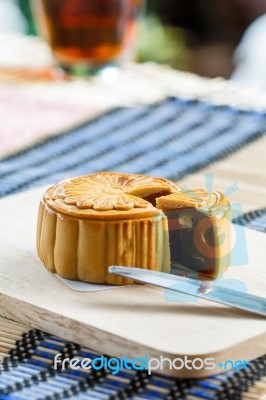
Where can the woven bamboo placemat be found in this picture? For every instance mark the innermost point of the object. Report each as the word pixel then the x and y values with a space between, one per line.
pixel 27 372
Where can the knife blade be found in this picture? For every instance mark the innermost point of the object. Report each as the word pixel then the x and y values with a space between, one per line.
pixel 197 288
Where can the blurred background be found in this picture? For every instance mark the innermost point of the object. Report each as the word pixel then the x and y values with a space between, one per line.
pixel 199 36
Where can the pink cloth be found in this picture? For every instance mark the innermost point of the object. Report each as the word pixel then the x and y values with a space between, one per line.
pixel 27 117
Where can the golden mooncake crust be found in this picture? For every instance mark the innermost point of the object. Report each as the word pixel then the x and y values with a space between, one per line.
pixel 108 195
pixel 90 222
pixel 196 198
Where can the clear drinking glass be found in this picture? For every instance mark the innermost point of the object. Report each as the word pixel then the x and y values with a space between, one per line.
pixel 88 34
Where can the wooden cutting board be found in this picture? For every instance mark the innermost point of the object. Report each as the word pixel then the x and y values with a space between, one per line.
pixel 132 321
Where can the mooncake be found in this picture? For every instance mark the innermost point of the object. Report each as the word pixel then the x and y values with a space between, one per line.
pixel 199 230
pixel 88 223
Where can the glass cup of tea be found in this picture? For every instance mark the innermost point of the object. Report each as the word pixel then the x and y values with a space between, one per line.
pixel 87 35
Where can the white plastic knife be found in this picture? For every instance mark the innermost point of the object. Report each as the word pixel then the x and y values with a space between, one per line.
pixel 194 287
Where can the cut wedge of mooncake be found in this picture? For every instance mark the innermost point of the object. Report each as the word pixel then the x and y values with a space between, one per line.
pixel 88 223
pixel 199 230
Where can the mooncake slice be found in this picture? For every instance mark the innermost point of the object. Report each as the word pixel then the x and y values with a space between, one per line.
pixel 88 223
pixel 199 230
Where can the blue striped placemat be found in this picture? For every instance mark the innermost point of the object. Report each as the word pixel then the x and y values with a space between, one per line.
pixel 254 219
pixel 170 139
pixel 28 373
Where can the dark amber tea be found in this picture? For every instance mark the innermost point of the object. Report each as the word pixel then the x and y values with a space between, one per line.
pixel 96 32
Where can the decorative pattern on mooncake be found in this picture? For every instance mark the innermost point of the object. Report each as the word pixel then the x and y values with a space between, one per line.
pixel 199 230
pixel 110 191
pixel 90 222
